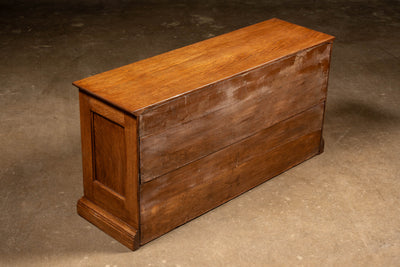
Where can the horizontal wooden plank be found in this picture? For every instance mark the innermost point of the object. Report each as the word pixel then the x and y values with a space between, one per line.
pixel 106 111
pixel 185 193
pixel 153 81
pixel 201 123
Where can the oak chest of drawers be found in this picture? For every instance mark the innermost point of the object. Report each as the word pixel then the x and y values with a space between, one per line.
pixel 168 138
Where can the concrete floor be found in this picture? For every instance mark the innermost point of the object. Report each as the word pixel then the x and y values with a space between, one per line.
pixel 341 208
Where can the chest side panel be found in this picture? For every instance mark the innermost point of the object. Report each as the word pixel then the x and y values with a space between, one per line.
pixel 109 153
pixel 207 120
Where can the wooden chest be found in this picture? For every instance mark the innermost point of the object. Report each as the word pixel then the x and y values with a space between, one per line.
pixel 171 137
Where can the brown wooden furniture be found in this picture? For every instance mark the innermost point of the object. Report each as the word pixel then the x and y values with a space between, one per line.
pixel 168 138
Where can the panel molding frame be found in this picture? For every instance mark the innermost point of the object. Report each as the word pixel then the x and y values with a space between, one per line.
pixel 95 145
pixel 124 207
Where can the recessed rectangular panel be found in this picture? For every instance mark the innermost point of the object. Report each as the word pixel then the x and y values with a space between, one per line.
pixel 109 153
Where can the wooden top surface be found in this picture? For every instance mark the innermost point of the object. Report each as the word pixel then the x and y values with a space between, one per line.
pixel 152 81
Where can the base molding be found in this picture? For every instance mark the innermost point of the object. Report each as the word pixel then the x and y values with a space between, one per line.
pixel 108 223
pixel 321 146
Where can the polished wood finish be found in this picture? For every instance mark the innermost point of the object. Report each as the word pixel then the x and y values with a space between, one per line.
pixel 188 192
pixel 251 101
pixel 110 224
pixel 166 139
pixel 141 85
pixel 109 154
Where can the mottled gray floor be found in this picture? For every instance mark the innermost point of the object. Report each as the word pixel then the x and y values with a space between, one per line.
pixel 339 209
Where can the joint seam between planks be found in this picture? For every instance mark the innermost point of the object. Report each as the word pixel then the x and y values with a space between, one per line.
pixel 288 140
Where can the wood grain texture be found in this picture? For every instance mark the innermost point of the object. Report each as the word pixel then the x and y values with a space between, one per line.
pixel 109 154
pixel 198 124
pixel 86 144
pixel 110 164
pixel 171 137
pixel 150 82
pixel 108 223
pixel 187 192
